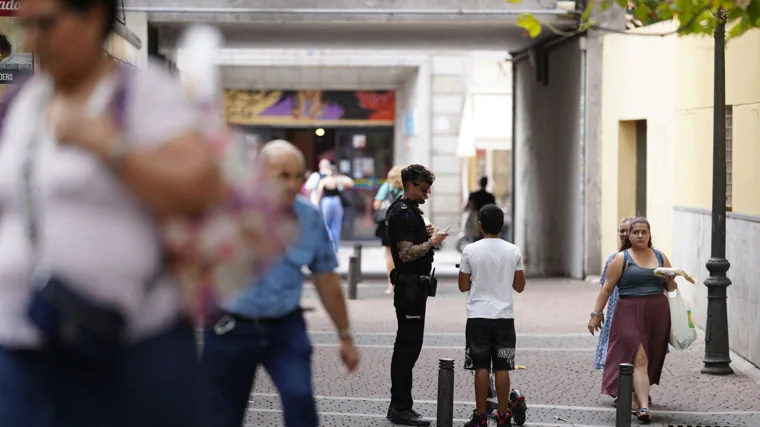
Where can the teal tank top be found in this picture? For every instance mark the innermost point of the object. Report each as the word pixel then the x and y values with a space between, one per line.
pixel 637 281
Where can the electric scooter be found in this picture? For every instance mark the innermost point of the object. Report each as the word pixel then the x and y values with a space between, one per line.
pixel 516 401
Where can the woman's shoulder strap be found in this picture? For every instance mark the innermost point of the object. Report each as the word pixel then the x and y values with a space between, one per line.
pixel 659 256
pixel 627 260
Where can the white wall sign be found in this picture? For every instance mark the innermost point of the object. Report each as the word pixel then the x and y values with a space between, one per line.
pixel 360 141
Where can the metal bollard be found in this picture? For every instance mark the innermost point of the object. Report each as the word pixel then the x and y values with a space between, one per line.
pixel 358 254
pixel 353 276
pixel 624 395
pixel 445 416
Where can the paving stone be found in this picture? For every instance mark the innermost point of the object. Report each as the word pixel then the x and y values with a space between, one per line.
pixel 553 344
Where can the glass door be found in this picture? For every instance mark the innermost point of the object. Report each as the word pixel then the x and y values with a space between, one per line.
pixel 365 155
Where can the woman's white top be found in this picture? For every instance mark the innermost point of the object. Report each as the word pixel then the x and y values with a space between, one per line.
pixel 92 231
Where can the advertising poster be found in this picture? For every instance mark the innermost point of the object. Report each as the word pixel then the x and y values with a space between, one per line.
pixel 310 107
pixel 15 60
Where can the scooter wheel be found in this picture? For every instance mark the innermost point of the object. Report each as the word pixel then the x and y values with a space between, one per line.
pixel 491 406
pixel 519 413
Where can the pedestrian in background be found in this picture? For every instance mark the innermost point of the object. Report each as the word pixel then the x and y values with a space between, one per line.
pixel 604 335
pixel 312 182
pixel 391 190
pixel 92 157
pixel 264 325
pixel 332 193
pixel 475 201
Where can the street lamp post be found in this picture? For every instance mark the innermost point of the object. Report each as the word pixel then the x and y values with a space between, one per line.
pixel 717 358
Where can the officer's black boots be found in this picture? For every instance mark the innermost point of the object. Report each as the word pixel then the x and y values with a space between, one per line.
pixel 407 417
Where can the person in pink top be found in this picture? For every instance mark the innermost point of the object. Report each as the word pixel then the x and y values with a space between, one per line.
pixel 83 196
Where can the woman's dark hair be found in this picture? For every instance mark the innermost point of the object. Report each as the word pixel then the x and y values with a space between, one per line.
pixel 84 6
pixel 627 241
pixel 491 218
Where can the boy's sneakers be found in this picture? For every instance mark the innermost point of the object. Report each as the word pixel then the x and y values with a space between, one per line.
pixel 477 420
pixel 504 419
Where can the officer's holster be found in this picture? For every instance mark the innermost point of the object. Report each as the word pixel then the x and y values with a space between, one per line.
pixel 415 286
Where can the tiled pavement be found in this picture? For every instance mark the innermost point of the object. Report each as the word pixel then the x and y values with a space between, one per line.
pixel 550 318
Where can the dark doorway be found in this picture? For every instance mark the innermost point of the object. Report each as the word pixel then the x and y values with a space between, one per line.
pixel 641 168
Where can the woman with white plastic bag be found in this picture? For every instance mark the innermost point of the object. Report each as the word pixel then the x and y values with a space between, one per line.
pixel 639 335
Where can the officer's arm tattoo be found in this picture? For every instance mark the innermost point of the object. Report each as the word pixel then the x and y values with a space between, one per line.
pixel 409 252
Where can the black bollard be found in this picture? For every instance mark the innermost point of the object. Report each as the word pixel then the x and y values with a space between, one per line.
pixel 624 395
pixel 445 416
pixel 353 276
pixel 358 254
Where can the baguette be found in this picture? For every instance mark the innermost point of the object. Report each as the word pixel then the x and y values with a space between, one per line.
pixel 670 272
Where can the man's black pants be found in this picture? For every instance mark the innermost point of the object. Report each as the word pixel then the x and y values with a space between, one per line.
pixel 410 315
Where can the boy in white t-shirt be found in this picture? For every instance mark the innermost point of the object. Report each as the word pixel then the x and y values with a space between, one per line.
pixel 490 269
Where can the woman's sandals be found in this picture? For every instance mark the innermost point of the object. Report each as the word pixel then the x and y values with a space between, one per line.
pixel 643 415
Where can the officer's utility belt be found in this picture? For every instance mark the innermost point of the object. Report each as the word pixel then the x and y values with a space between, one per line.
pixel 415 286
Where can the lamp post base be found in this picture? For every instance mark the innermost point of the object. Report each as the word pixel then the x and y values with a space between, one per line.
pixel 717 350
pixel 717 368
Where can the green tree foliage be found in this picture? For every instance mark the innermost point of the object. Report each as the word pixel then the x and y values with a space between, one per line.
pixel 694 16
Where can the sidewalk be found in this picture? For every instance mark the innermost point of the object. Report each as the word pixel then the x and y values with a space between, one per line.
pixel 553 343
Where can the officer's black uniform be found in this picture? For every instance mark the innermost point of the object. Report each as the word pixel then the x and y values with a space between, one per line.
pixel 413 285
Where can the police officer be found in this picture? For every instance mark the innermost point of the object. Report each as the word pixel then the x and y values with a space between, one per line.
pixel 411 245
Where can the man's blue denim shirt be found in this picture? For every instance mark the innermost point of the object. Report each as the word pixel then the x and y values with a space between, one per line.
pixel 278 292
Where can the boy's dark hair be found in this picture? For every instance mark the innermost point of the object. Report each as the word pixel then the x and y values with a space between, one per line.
pixel 416 174
pixel 491 218
pixel 84 6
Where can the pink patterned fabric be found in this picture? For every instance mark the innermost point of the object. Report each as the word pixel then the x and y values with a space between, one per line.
pixel 234 243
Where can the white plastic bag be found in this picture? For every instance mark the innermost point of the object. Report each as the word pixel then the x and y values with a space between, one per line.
pixel 682 331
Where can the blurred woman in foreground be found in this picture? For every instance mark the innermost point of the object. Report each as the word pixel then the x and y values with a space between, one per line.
pixel 92 156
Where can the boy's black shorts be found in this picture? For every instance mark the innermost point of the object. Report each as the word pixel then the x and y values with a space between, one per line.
pixel 490 342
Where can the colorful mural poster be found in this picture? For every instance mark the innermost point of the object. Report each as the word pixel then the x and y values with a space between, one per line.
pixel 310 107
pixel 15 60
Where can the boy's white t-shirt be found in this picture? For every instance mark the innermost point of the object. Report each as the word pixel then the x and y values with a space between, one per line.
pixel 492 264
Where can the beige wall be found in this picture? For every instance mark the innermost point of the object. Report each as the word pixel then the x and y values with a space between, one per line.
pixel 669 82
pixel 694 92
pixel 638 83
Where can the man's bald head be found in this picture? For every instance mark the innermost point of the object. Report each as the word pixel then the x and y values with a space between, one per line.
pixel 285 162
pixel 282 148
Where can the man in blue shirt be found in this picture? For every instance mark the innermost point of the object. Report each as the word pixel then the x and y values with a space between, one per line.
pixel 264 325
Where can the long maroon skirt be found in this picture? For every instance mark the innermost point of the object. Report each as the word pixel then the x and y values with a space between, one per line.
pixel 638 321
